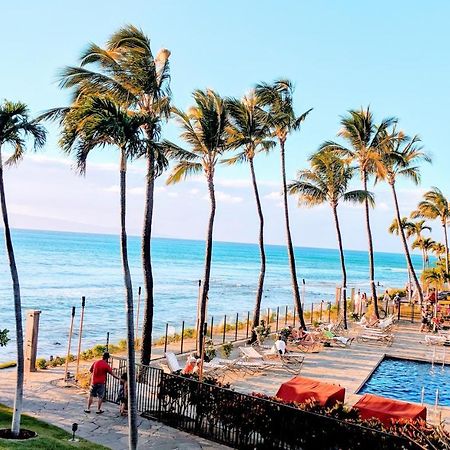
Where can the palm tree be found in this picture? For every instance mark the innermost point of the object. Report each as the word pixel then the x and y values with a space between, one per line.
pixel 204 129
pixel 327 182
pixel 439 250
pixel 15 127
pixel 400 157
pixel 435 206
pixel 366 142
pixel 278 98
pixel 416 229
pixel 425 245
pixel 405 224
pixel 127 70
pixel 99 121
pixel 249 132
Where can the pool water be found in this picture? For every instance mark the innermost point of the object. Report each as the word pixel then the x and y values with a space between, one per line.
pixel 402 379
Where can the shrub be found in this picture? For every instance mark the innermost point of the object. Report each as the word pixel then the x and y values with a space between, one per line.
pixel 41 363
pixel 87 354
pixel 4 339
pixel 210 351
pixel 227 349
pixel 98 350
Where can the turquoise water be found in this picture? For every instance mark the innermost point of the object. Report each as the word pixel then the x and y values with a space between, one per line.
pixel 404 379
pixel 57 268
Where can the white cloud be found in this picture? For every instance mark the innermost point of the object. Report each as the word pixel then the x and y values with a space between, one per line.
pixel 137 191
pixel 275 195
pixel 173 194
pixel 194 191
pixel 225 198
pixel 160 189
pixel 114 188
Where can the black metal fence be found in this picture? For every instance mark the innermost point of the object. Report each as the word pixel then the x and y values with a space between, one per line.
pixel 244 421
pixel 238 326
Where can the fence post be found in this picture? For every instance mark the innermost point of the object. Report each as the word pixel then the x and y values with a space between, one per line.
pixel 321 309
pixel 212 325
pixel 329 312
pixel 165 339
pixel 412 312
pixel 285 315
pixel 268 316
pixel 398 307
pixel 295 313
pixel 182 337
pixel 278 315
pixel 224 328
pixel 236 330
pixel 248 322
pixel 312 313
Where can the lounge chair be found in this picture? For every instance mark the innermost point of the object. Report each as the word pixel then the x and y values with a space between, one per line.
pixel 292 362
pixel 172 363
pixel 375 338
pixel 213 368
pixel 340 341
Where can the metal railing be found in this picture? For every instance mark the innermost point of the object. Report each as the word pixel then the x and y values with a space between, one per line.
pixel 243 421
pixel 238 326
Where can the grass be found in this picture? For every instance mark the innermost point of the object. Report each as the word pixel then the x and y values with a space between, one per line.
pixel 49 437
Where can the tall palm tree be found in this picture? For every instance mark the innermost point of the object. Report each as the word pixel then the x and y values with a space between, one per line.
pixel 400 157
pixel 278 98
pixel 15 128
pixel 404 223
pixel 204 129
pixel 416 229
pixel 327 182
pixel 127 70
pixel 99 122
pixel 366 140
pixel 435 206
pixel 249 132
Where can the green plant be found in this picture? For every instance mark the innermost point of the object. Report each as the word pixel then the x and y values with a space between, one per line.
pixel 262 330
pixel 210 351
pixel 227 349
pixel 4 339
pixel 98 350
pixel 41 363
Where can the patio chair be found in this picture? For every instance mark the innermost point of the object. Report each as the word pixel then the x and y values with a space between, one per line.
pixel 340 341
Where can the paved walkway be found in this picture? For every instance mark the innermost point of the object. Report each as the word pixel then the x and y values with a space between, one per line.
pixel 47 399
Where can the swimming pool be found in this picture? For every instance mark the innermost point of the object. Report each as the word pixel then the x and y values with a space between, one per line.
pixel 403 379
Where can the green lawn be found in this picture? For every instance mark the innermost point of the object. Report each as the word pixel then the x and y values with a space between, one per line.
pixel 49 436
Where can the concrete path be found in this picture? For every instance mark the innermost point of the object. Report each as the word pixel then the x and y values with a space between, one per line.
pixel 47 399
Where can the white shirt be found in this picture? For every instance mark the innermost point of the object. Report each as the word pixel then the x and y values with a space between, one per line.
pixel 280 346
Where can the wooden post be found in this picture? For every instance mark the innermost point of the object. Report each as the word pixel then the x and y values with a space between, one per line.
pixel 69 342
pixel 202 356
pixel 136 334
pixel 352 297
pixel 80 334
pixel 303 290
pixel 197 322
pixel 31 340
pixel 107 341
pixel 338 298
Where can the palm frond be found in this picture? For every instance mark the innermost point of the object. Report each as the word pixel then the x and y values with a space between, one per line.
pixel 182 170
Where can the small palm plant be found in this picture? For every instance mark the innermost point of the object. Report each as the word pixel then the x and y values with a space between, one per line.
pixel 366 140
pixel 278 97
pixel 435 206
pixel 327 182
pixel 400 156
pixel 204 129
pixel 15 127
pixel 426 246
pixel 249 132
pixel 100 122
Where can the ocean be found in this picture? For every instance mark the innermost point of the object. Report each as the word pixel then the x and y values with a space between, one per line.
pixel 57 268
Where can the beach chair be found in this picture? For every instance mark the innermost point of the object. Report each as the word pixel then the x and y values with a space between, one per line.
pixel 375 338
pixel 292 362
pixel 172 363
pixel 340 341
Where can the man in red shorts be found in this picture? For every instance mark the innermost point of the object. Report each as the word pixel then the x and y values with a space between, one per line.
pixel 99 371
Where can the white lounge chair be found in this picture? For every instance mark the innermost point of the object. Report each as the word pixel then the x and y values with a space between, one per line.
pixel 292 362
pixel 172 363
pixel 376 338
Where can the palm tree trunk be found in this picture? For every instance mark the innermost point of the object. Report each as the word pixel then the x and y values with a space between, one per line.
pixel 405 246
pixel 18 398
pixel 131 365
pixel 208 259
pixel 147 325
pixel 290 248
pixel 341 254
pixel 369 237
pixel 262 272
pixel 446 245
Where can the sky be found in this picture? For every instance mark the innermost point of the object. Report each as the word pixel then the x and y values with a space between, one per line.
pixel 340 55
